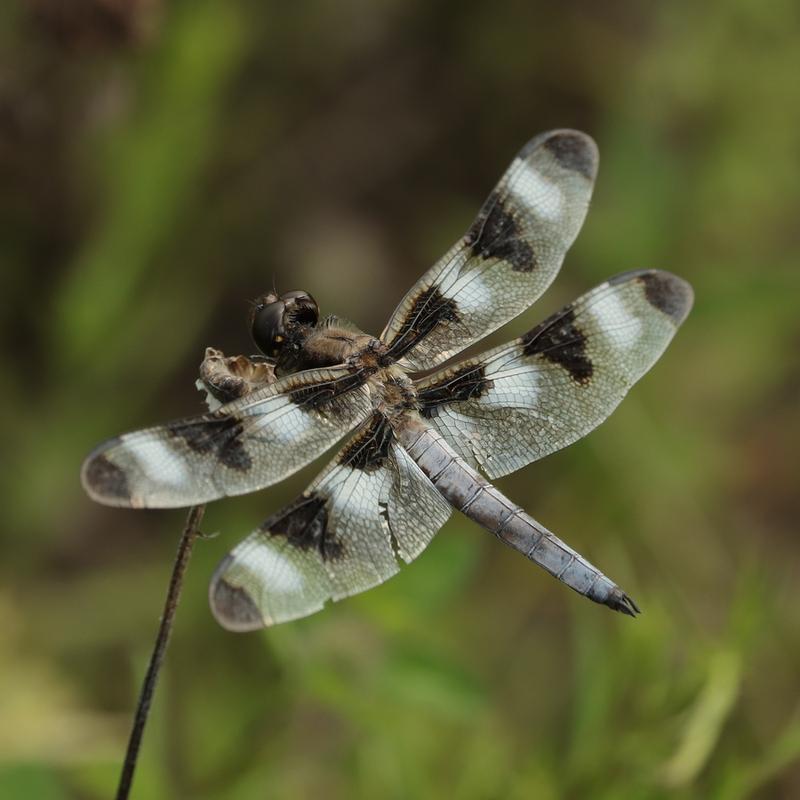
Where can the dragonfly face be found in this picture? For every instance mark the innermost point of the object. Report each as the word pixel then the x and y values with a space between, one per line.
pixel 276 319
pixel 418 446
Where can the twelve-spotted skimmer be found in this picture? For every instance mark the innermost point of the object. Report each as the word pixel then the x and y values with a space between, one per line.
pixel 420 444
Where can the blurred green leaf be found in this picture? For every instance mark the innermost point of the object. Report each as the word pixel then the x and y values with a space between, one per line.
pixel 706 719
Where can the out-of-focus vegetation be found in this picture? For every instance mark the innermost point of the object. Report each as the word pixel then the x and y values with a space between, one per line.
pixel 163 162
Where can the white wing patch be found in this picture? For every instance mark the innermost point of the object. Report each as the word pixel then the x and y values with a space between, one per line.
pixel 157 461
pixel 511 386
pixel 293 429
pixel 471 291
pixel 616 321
pixel 280 574
pixel 536 191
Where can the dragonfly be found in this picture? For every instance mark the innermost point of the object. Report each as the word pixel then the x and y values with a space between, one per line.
pixel 421 436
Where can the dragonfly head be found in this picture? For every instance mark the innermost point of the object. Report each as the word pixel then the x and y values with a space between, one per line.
pixel 276 319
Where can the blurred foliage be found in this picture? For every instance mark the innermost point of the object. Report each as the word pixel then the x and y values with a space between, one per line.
pixel 163 162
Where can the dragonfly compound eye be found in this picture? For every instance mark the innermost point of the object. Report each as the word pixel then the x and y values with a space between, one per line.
pixel 268 330
pixel 301 308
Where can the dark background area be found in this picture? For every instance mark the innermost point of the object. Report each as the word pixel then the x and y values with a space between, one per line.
pixel 162 162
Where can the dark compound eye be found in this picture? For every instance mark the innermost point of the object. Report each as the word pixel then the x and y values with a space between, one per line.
pixel 268 331
pixel 301 307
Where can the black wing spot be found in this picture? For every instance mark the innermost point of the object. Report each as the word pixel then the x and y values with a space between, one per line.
pixel 466 383
pixel 561 342
pixel 429 309
pixel 304 523
pixel 369 450
pixel 668 294
pixel 497 234
pixel 573 151
pixel 106 478
pixel 232 605
pixel 220 436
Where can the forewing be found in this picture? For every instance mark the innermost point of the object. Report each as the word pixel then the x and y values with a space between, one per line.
pixel 520 402
pixel 507 258
pixel 344 534
pixel 243 446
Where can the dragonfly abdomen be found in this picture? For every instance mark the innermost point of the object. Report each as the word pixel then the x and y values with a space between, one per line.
pixel 469 492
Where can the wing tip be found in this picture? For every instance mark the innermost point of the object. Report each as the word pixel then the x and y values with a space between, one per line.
pixel 103 480
pixel 668 293
pixel 232 606
pixel 574 150
pixel 665 291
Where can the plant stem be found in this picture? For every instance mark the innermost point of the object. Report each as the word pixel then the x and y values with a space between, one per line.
pixel 190 532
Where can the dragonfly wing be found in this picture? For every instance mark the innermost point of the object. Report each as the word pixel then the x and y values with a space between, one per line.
pixel 346 533
pixel 507 258
pixel 245 445
pixel 521 401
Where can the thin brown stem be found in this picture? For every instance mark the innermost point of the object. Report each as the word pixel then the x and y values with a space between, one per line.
pixel 190 532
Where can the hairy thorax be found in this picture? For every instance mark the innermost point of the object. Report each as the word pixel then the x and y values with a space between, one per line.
pixel 391 389
pixel 325 347
pixel 393 393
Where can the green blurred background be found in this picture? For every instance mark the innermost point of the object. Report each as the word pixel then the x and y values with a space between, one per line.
pixel 162 162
